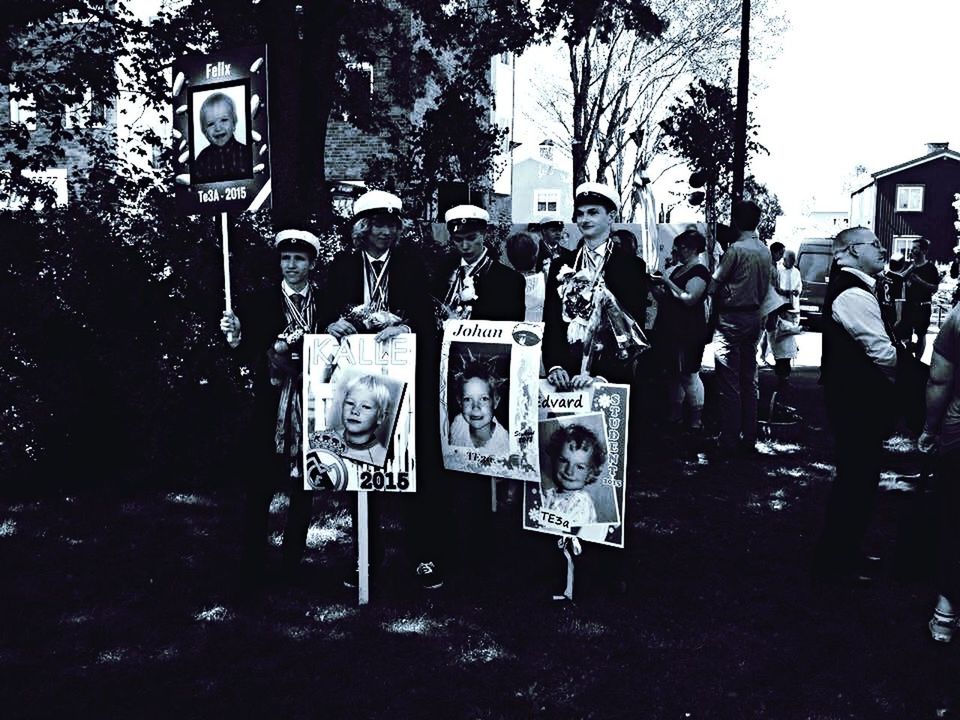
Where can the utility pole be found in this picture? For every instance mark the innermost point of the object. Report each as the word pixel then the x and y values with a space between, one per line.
pixel 740 126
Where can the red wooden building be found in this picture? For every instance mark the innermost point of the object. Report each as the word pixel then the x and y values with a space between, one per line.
pixel 911 200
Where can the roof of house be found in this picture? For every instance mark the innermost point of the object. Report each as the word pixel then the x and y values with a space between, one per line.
pixel 936 155
pixel 943 153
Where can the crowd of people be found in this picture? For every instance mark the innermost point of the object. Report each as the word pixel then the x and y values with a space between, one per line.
pixel 651 326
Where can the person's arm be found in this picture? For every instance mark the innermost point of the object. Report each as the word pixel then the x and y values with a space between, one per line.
pixel 858 313
pixel 939 392
pixel 694 291
pixel 930 287
pixel 722 273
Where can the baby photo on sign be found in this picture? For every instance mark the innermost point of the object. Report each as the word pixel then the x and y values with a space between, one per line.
pixel 478 385
pixel 219 133
pixel 583 464
pixel 573 458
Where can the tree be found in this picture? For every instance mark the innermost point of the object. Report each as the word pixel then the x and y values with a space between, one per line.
pixel 700 131
pixel 768 202
pixel 637 77
pixel 587 29
pixel 314 52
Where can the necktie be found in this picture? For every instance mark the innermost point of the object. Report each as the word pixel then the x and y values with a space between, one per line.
pixel 297 299
pixel 377 267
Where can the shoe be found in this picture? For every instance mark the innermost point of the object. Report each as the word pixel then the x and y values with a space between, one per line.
pixel 429 576
pixel 942 626
pixel 783 414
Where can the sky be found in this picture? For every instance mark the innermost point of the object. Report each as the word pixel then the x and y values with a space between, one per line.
pixel 855 82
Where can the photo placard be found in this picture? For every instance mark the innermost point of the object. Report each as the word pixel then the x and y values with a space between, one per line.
pixel 489 379
pixel 583 445
pixel 358 400
pixel 221 131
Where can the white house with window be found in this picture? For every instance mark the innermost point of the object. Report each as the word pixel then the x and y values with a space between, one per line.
pixel 542 184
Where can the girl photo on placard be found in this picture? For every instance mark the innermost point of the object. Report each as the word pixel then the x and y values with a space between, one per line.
pixel 573 459
pixel 582 488
pixel 358 413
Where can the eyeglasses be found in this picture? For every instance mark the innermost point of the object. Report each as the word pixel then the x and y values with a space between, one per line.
pixel 875 243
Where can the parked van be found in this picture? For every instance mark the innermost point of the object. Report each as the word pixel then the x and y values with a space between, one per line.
pixel 813 260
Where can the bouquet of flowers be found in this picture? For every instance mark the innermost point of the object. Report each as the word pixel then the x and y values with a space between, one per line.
pixel 596 318
pixel 577 291
pixel 366 318
pixel 628 340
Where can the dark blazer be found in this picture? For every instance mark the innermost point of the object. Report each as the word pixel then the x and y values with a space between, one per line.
pixel 409 297
pixel 408 294
pixel 500 290
pixel 262 319
pixel 625 277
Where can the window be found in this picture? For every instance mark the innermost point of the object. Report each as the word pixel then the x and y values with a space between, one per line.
pixel 55 178
pixel 89 113
pixel 902 244
pixel 546 200
pixel 909 198
pixel 814 266
pixel 23 110
pixel 358 83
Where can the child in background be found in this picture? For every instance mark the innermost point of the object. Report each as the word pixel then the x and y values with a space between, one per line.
pixel 522 250
pixel 576 456
pixel 476 426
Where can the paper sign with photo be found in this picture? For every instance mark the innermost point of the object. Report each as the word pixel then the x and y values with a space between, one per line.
pixel 221 131
pixel 358 413
pixel 489 396
pixel 583 443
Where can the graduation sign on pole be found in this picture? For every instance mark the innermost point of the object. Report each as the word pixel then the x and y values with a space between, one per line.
pixel 221 138
pixel 488 397
pixel 586 428
pixel 358 411
pixel 221 131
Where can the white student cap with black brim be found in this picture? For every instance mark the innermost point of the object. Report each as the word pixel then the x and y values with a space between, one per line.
pixel 592 193
pixel 376 202
pixel 464 218
pixel 551 220
pixel 297 240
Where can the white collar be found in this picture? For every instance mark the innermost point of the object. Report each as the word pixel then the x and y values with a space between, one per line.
pixel 470 266
pixel 289 291
pixel 599 249
pixel 384 257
